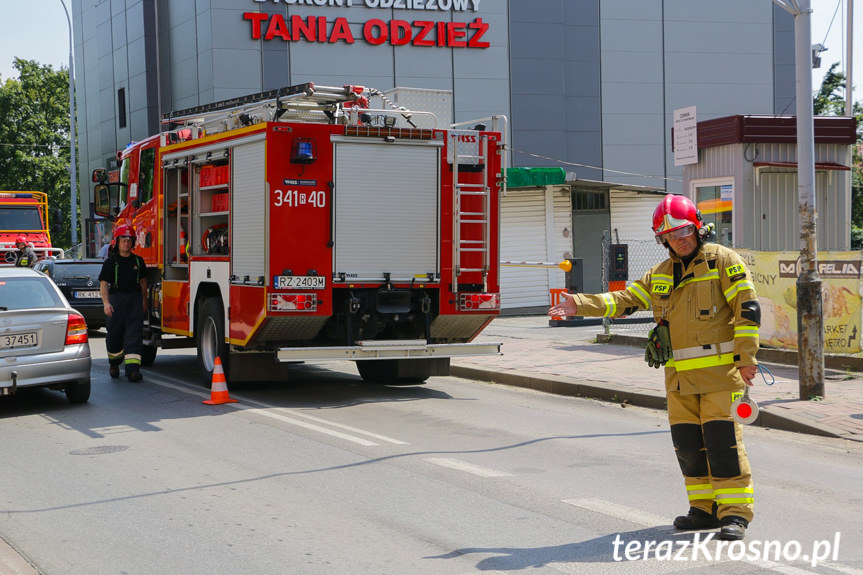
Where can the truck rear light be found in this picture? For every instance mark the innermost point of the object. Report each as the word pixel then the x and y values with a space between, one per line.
pixel 293 302
pixel 478 301
pixel 76 329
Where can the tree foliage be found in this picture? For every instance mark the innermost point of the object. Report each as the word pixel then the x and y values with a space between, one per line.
pixel 829 100
pixel 34 136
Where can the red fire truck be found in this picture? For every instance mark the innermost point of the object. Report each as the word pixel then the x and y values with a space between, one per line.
pixel 25 214
pixel 300 224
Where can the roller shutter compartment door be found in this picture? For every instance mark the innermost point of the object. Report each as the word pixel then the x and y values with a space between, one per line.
pixel 387 206
pixel 248 212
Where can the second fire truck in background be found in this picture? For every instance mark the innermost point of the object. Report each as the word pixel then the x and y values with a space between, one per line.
pixel 25 214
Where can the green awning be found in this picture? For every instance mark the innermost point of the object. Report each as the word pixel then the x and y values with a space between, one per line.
pixel 532 177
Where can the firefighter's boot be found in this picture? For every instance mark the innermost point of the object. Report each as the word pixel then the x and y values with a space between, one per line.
pixel 733 528
pixel 114 370
pixel 135 376
pixel 696 519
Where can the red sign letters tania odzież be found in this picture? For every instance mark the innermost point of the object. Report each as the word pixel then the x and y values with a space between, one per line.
pixel 375 31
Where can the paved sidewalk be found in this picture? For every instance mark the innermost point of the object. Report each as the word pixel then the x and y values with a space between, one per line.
pixel 566 360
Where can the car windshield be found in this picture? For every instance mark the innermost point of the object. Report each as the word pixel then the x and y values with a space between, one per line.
pixel 72 271
pixel 28 293
pixel 23 218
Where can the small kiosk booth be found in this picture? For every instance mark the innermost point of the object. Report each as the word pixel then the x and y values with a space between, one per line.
pixel 745 181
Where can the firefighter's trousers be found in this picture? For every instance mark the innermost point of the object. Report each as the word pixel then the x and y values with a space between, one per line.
pixel 124 342
pixel 709 447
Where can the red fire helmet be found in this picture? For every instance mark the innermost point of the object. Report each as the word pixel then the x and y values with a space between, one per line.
pixel 675 212
pixel 20 240
pixel 124 231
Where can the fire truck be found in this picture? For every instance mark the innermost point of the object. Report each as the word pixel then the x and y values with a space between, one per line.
pixel 301 224
pixel 25 214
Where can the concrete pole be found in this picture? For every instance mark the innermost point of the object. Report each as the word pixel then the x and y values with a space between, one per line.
pixel 73 164
pixel 810 318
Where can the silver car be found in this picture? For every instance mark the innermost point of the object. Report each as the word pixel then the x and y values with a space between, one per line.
pixel 43 341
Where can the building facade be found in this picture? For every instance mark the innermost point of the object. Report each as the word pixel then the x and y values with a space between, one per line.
pixel 588 85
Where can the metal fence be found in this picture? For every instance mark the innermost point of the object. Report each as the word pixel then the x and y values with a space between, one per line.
pixel 643 255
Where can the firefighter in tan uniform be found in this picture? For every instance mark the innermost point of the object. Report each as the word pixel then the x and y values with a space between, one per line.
pixel 707 312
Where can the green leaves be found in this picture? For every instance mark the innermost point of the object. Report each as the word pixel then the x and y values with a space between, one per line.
pixel 34 135
pixel 829 100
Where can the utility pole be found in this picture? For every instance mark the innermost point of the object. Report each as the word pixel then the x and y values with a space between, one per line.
pixel 849 61
pixel 810 309
pixel 73 164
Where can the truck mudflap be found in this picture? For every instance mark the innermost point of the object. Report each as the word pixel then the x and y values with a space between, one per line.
pixel 387 349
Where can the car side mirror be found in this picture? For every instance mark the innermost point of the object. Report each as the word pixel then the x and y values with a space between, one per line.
pixel 106 200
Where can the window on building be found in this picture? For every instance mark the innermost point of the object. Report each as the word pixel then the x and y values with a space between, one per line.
pixel 589 200
pixel 121 107
pixel 715 204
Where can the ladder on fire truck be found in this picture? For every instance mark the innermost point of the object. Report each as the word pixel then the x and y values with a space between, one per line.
pixel 305 102
pixel 471 219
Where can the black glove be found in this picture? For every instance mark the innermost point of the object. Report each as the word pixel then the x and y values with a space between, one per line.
pixel 658 350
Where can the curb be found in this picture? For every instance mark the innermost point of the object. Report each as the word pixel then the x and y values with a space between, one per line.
pixel 563 386
pixel 12 562
pixel 609 392
pixel 795 423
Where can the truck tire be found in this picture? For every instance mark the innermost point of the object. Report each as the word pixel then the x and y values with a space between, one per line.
pixel 401 371
pixel 148 355
pixel 210 337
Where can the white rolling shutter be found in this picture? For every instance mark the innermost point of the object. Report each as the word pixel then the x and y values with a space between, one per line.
pixel 387 206
pixel 523 238
pixel 632 215
pixel 248 212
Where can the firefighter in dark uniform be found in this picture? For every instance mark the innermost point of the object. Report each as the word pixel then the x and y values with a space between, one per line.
pixel 123 286
pixel 707 315
pixel 26 257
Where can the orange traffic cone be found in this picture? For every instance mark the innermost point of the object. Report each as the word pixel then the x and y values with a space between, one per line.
pixel 219 387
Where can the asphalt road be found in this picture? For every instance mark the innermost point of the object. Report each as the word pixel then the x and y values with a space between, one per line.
pixel 326 475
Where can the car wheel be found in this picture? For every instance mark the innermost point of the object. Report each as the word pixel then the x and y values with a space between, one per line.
pixel 148 355
pixel 78 392
pixel 210 337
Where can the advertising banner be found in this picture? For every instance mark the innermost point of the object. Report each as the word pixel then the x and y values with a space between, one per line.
pixel 775 276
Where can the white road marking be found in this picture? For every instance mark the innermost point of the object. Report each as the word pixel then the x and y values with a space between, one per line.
pixel 619 511
pixel 466 467
pixel 272 411
pixel 305 425
pixel 779 568
pixel 350 428
pixel 841 568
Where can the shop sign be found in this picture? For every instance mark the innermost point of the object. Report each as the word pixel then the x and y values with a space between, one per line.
pixel 395 32
pixel 375 31
pixel 444 5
